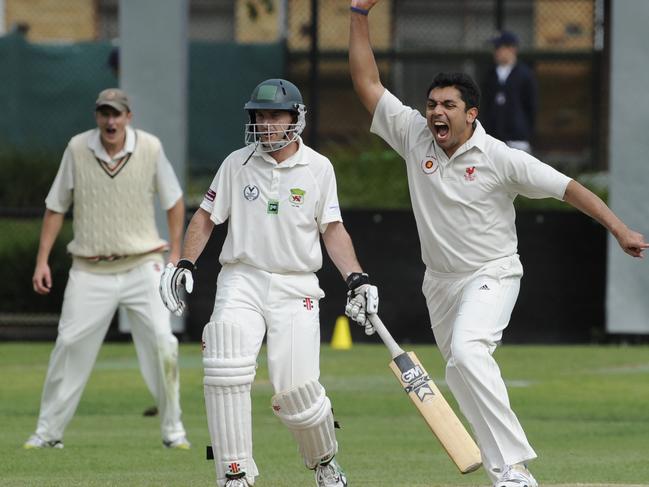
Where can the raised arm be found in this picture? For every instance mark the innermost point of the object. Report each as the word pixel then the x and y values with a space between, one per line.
pixel 42 279
pixel 362 65
pixel 631 242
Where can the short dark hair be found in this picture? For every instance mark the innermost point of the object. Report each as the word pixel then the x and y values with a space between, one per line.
pixel 469 91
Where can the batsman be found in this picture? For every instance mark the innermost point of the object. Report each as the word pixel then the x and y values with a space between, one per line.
pixel 278 197
pixel 463 183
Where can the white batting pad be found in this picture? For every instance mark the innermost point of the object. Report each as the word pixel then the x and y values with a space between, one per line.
pixel 227 381
pixel 306 411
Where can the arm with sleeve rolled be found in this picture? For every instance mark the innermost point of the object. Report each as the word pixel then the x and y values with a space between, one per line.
pixel 57 203
pixel 631 242
pixel 362 297
pixel 175 277
pixel 176 225
pixel 171 198
pixel 42 278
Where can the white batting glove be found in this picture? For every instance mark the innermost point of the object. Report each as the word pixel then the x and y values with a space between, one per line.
pixel 173 279
pixel 362 300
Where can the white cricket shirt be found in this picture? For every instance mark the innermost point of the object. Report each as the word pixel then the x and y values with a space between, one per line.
pixel 275 212
pixel 463 206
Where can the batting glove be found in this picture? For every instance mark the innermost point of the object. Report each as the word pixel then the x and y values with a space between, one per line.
pixel 362 300
pixel 173 279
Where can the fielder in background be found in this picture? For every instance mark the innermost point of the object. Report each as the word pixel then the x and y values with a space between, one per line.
pixel 110 175
pixel 462 184
pixel 278 197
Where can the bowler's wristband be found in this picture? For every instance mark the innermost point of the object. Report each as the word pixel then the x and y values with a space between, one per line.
pixel 358 10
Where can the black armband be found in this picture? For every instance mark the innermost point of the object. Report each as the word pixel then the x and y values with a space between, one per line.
pixel 186 264
pixel 356 279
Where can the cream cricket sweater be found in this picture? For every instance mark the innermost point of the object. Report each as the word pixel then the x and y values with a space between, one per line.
pixel 113 212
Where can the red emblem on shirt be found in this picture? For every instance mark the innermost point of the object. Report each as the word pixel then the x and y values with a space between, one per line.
pixel 469 174
pixel 429 165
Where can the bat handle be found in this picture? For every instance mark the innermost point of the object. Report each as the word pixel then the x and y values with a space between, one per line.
pixel 383 332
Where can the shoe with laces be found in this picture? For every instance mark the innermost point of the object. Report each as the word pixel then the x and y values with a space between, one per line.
pixel 181 443
pixel 516 476
pixel 240 482
pixel 330 475
pixel 36 441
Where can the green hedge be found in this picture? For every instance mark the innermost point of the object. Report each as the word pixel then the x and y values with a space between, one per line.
pixel 18 247
pixel 26 177
pixel 369 175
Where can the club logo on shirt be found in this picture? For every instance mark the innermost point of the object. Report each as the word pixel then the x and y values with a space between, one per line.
pixel 210 195
pixel 469 173
pixel 251 192
pixel 429 164
pixel 297 197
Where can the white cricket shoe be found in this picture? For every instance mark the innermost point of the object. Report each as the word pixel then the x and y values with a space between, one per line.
pixel 330 475
pixel 516 476
pixel 181 443
pixel 240 482
pixel 36 441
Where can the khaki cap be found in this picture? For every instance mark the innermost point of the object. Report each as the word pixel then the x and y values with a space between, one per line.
pixel 113 97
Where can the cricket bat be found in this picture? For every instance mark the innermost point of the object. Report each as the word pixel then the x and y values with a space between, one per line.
pixel 431 404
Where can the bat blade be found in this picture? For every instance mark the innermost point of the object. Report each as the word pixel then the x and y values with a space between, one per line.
pixel 437 413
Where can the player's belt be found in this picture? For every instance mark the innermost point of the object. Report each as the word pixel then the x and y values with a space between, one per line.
pixel 104 258
pixel 112 258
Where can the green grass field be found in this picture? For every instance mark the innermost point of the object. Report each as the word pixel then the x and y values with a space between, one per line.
pixel 585 410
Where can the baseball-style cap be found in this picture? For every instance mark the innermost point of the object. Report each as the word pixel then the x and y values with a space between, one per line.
pixel 505 38
pixel 113 97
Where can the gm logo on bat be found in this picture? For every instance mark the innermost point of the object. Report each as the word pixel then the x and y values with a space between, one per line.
pixel 417 381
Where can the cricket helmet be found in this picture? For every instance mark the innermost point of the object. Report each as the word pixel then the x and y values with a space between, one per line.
pixel 274 94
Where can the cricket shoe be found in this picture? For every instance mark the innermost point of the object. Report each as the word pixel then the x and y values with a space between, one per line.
pixel 330 475
pixel 240 482
pixel 516 476
pixel 36 441
pixel 181 443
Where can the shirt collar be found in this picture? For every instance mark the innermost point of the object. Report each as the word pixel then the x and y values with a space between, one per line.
pixel 95 145
pixel 297 158
pixel 477 140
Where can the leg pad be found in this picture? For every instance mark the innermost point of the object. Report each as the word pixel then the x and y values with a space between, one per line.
pixel 306 412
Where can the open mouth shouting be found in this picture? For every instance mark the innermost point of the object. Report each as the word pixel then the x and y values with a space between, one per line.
pixel 441 130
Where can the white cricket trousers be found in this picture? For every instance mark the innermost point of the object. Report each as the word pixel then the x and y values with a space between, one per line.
pixel 89 303
pixel 468 314
pixel 284 307
pixel 249 304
